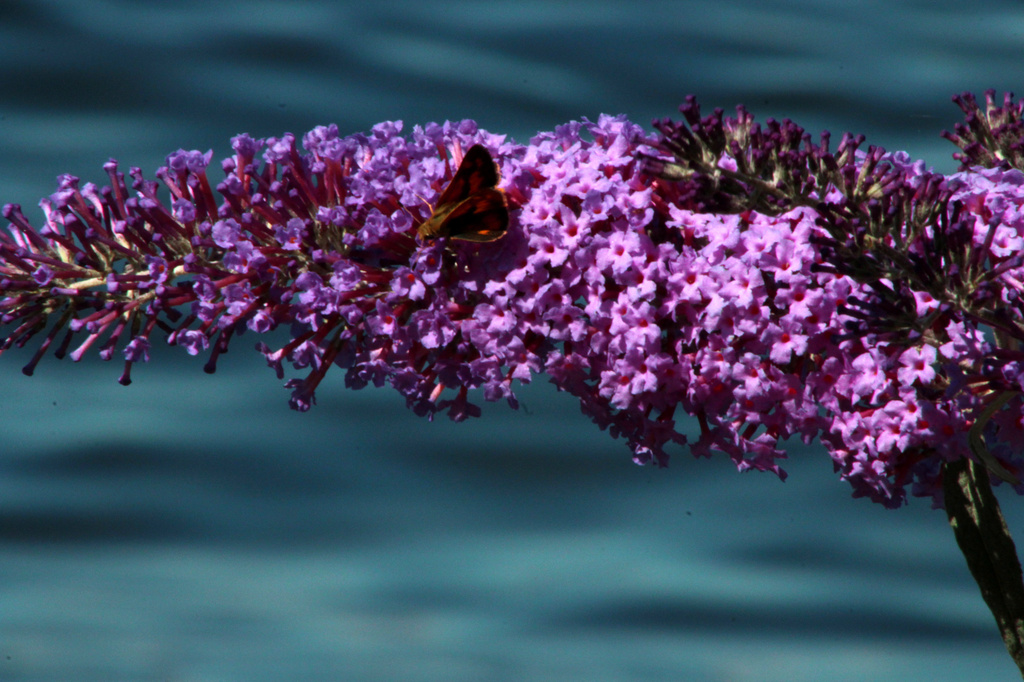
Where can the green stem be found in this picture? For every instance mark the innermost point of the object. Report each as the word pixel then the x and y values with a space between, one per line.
pixel 985 541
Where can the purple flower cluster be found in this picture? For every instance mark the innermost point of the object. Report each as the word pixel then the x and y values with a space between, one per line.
pixel 641 304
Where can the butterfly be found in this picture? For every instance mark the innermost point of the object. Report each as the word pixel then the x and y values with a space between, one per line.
pixel 471 207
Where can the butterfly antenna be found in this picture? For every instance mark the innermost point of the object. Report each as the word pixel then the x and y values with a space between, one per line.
pixel 429 205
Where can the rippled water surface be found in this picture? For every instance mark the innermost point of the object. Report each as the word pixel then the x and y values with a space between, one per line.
pixel 192 528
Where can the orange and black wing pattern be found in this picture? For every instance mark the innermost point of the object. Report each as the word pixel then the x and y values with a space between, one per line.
pixel 471 207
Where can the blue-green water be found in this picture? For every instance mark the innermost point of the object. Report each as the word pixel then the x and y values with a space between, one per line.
pixel 192 528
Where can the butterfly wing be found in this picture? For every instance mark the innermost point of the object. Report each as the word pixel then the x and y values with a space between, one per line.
pixel 476 172
pixel 470 207
pixel 483 217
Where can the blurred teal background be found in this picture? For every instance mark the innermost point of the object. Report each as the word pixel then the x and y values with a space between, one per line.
pixel 192 528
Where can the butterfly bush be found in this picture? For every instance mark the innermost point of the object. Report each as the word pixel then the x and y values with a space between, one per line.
pixel 639 273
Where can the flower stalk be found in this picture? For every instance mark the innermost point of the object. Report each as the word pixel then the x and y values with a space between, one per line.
pixel 986 543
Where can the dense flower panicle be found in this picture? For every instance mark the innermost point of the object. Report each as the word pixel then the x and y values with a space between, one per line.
pixel 697 273
pixel 935 261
